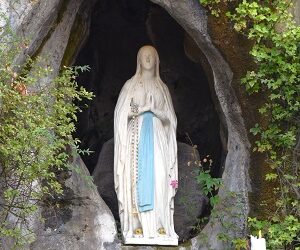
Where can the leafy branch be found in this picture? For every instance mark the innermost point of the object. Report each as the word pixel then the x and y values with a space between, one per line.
pixel 36 127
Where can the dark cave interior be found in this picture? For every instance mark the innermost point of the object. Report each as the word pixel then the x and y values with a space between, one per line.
pixel 118 29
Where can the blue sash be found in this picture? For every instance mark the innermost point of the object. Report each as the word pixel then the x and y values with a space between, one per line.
pixel 145 185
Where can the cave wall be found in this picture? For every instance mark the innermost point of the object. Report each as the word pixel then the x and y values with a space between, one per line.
pixel 48 25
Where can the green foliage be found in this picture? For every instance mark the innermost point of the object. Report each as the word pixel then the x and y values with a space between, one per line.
pixel 207 184
pixel 212 6
pixel 276 51
pixel 240 244
pixel 278 233
pixel 276 48
pixel 36 126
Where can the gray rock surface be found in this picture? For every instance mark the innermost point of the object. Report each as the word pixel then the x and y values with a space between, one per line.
pixel 189 201
pixel 296 11
pixel 103 176
pixel 15 12
pixel 78 220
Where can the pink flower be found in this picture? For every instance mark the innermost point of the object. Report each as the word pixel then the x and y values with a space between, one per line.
pixel 174 184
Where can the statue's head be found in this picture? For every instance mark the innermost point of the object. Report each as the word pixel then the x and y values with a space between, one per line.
pixel 147 59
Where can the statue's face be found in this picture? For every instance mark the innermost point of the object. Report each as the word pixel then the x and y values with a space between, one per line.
pixel 147 58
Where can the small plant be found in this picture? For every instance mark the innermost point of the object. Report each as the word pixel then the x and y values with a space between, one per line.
pixel 208 184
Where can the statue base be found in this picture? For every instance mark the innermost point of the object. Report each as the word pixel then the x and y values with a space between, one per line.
pixel 162 241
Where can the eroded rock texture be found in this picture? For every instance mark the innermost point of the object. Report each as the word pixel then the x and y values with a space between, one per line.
pixel 77 220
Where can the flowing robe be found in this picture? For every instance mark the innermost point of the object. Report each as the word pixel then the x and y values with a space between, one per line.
pixel 165 157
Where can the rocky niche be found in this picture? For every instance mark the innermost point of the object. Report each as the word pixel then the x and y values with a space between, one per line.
pixel 117 30
pixel 202 60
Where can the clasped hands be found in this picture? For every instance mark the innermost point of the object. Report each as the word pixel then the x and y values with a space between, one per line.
pixel 148 107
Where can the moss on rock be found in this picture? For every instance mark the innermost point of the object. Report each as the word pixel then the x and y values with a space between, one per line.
pixel 235 48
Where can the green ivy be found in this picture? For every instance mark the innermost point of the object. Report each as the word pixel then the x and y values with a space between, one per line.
pixel 212 6
pixel 279 233
pixel 276 52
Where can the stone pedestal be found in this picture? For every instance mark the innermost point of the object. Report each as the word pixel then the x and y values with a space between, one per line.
pixel 162 241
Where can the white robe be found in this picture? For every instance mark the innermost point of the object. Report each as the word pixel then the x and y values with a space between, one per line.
pixel 165 158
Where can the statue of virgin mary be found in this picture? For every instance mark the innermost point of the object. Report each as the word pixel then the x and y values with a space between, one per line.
pixel 145 155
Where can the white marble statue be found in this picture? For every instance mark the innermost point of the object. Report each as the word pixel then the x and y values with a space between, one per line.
pixel 145 155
